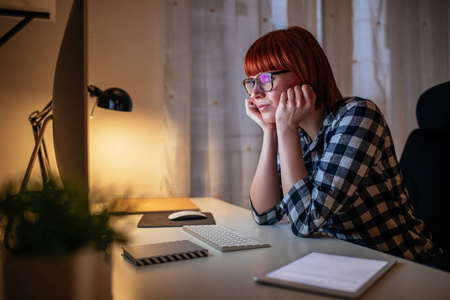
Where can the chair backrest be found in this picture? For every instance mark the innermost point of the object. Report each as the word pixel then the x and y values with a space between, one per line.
pixel 425 163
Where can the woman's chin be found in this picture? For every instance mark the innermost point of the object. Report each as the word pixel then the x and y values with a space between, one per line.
pixel 268 119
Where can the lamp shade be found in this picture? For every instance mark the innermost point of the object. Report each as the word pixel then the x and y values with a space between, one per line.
pixel 112 98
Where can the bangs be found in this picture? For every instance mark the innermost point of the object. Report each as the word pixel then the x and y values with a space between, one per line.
pixel 263 56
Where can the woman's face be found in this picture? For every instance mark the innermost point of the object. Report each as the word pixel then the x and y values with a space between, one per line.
pixel 267 102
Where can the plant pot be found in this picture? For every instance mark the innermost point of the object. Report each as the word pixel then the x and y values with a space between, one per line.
pixel 83 275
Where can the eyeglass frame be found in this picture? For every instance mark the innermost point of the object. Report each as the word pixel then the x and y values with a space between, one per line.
pixel 255 80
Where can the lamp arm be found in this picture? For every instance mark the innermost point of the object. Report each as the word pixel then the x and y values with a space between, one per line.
pixel 43 158
pixel 36 118
pixel 37 146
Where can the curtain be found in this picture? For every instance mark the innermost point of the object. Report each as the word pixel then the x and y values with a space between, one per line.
pixel 417 48
pixel 225 143
pixel 175 178
pixel 389 51
pixel 400 50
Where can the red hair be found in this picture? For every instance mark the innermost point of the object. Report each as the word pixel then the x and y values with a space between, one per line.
pixel 294 49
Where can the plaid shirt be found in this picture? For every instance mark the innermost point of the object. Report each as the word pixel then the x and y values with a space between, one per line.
pixel 354 190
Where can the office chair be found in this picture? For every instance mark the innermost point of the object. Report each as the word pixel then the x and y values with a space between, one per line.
pixel 425 164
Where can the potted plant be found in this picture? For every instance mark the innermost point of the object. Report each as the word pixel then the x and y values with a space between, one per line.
pixel 54 246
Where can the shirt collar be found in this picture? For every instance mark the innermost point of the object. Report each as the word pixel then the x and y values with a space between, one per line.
pixel 328 120
pixel 331 114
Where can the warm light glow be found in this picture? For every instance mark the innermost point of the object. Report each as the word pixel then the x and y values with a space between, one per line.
pixel 124 155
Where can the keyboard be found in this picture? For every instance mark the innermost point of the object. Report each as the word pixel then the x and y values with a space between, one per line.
pixel 223 238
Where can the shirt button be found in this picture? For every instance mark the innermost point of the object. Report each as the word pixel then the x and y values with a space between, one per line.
pixel 320 188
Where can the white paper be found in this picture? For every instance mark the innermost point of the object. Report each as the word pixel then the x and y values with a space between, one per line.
pixel 329 271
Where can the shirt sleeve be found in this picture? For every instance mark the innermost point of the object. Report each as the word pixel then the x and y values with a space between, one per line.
pixel 356 140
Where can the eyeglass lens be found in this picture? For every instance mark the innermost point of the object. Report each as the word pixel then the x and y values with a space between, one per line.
pixel 264 81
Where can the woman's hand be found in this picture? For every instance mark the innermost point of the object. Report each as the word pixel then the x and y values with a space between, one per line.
pixel 252 111
pixel 295 105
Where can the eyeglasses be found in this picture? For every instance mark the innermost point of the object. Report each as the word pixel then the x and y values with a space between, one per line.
pixel 263 80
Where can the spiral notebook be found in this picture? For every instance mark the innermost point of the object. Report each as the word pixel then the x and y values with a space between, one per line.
pixel 145 255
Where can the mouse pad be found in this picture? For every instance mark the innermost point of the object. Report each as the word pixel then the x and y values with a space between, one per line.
pixel 161 219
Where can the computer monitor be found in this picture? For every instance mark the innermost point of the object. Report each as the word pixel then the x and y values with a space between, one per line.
pixel 70 100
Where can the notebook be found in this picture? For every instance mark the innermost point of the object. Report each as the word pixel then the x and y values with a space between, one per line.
pixel 334 275
pixel 144 205
pixel 151 254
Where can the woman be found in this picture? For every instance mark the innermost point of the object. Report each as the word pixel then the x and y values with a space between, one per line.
pixel 327 162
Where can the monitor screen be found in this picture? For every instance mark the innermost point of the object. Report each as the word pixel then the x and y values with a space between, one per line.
pixel 70 100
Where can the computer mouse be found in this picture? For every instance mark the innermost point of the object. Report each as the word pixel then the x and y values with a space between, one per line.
pixel 186 215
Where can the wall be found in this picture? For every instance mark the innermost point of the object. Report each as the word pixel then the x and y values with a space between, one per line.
pixel 124 45
pixel 125 50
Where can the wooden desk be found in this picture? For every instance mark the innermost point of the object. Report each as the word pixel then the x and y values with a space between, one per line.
pixel 229 275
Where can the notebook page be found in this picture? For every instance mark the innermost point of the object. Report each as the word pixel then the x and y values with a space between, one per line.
pixel 329 271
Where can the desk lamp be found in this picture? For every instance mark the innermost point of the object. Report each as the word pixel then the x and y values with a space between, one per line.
pixel 112 98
